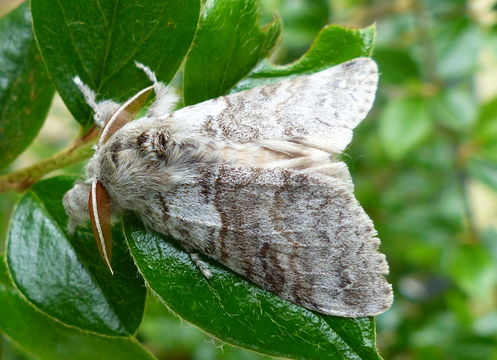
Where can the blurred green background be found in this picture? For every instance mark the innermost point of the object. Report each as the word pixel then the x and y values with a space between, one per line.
pixel 425 167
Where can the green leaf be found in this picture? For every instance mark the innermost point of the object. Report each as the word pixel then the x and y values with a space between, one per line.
pixel 485 128
pixel 303 21
pixel 48 339
pixel 458 46
pixel 473 270
pixel 456 108
pixel 333 45
pixel 99 40
pixel 403 125
pixel 25 90
pixel 485 171
pixel 63 275
pixel 165 333
pixel 388 60
pixel 240 313
pixel 228 44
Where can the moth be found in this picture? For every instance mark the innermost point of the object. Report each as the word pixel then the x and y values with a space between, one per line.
pixel 253 180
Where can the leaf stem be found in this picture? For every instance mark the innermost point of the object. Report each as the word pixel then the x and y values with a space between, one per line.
pixel 80 149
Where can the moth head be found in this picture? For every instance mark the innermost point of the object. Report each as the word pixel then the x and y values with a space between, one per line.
pixel 91 199
pixel 99 201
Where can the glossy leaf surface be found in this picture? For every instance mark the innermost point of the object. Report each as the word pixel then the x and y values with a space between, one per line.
pixel 47 338
pixel 100 40
pixel 404 123
pixel 333 45
pixel 485 171
pixel 63 275
pixel 228 44
pixel 240 313
pixel 485 129
pixel 25 88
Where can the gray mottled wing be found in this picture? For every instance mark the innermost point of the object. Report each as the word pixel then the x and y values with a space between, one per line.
pixel 302 236
pixel 321 109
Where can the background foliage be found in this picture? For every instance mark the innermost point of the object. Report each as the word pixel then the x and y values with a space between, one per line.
pixel 425 168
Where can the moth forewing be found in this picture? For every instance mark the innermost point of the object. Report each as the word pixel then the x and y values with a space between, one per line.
pixel 252 180
pixel 319 110
pixel 100 217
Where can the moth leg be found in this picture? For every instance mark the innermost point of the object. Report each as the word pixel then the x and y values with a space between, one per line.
pixel 103 110
pixel 165 98
pixel 201 265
